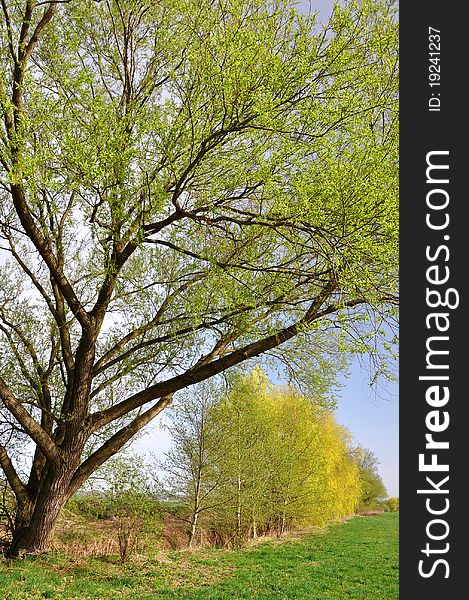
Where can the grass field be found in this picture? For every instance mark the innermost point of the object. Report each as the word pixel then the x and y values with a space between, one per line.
pixel 356 560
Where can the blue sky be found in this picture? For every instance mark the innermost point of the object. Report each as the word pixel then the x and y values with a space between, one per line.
pixel 373 422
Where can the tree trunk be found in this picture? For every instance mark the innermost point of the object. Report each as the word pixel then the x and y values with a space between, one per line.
pixel 254 528
pixel 196 507
pixel 35 523
pixel 194 520
pixel 283 524
pixel 238 512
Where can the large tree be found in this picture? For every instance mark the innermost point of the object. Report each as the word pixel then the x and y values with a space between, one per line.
pixel 185 185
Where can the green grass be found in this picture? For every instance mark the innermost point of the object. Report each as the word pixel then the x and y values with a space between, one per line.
pixel 357 560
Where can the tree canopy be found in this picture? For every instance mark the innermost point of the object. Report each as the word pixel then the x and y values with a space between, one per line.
pixel 183 186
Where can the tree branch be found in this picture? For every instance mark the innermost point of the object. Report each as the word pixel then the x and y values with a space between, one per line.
pixel 15 482
pixel 115 443
pixel 9 32
pixel 43 247
pixel 19 358
pixel 30 425
pixel 171 336
pixel 41 244
pixel 118 260
pixel 204 371
pixel 101 363
pixel 37 284
pixel 64 331
pixel 46 17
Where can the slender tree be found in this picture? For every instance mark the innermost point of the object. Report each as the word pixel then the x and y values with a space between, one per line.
pixel 184 185
pixel 372 486
pixel 197 443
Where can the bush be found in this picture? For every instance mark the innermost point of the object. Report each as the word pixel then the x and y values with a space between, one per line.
pixel 90 505
pixel 128 498
pixel 138 516
pixel 390 505
pixel 125 499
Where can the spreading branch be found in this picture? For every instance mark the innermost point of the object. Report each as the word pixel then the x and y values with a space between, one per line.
pixel 204 371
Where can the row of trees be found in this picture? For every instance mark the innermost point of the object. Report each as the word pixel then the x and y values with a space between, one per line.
pixel 249 458
pixel 373 491
pixel 256 459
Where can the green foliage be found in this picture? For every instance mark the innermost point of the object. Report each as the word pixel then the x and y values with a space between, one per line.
pixel 287 459
pixel 373 490
pixel 390 505
pixel 185 185
pixel 89 505
pixel 272 146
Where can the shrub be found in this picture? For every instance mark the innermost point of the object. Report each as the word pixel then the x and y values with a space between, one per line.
pixel 391 504
pixel 128 498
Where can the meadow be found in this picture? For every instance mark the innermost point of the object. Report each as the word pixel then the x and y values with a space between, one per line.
pixel 353 560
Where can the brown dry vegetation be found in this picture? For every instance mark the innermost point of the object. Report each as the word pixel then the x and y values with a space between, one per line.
pixel 78 536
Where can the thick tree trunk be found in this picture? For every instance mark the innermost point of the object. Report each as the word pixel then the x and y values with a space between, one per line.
pixel 21 522
pixel 35 523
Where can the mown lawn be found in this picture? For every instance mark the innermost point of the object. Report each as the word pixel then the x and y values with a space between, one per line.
pixel 356 560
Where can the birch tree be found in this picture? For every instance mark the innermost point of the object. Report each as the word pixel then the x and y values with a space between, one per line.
pixel 197 445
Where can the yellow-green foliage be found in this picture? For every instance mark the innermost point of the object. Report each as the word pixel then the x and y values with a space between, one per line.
pixel 342 487
pixel 392 504
pixel 285 461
